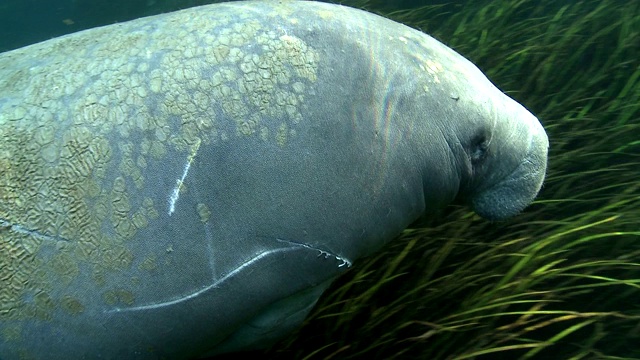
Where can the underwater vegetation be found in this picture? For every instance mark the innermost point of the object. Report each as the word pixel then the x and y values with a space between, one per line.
pixel 561 280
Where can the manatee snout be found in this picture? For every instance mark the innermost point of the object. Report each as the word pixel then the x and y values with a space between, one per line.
pixel 510 195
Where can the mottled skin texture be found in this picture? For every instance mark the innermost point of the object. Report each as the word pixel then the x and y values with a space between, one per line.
pixel 193 181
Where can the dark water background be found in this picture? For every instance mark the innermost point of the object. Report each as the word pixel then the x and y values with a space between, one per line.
pixel 24 22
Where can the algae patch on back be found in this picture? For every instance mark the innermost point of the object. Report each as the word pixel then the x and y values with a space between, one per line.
pixel 86 116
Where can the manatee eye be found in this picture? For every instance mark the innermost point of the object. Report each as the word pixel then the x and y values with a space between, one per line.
pixel 479 148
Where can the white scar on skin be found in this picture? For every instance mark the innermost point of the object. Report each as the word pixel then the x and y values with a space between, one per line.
pixel 204 289
pixel 326 254
pixel 180 182
pixel 230 275
pixel 5 225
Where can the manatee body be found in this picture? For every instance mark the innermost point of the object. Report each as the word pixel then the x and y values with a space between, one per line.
pixel 193 181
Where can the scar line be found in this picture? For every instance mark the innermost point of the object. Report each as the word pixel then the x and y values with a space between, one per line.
pixel 324 253
pixel 201 291
pixel 230 275
pixel 179 183
pixel 23 230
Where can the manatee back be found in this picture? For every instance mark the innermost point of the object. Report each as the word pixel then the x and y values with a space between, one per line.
pixel 166 180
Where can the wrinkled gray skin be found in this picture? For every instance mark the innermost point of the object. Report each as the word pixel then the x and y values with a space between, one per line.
pixel 385 124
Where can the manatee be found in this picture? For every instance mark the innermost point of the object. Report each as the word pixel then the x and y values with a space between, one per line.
pixel 190 183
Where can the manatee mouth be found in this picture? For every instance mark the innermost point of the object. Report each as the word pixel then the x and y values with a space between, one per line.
pixel 508 198
pixel 514 193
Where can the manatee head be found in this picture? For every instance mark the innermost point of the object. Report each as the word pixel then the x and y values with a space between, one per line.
pixel 473 143
pixel 482 147
pixel 502 157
